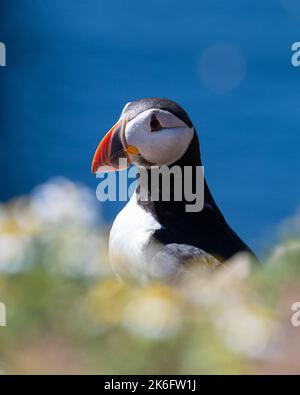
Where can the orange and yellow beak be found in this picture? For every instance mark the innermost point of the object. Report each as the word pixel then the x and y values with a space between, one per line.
pixel 111 149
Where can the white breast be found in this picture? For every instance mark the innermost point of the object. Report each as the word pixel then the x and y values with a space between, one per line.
pixel 130 234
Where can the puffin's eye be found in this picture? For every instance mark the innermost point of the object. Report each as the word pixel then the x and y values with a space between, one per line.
pixel 155 124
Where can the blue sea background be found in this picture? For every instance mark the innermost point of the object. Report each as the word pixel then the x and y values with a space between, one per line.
pixel 72 66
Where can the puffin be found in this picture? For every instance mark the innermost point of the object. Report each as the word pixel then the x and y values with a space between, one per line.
pixel 159 238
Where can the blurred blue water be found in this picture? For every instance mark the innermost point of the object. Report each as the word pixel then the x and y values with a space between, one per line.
pixel 72 65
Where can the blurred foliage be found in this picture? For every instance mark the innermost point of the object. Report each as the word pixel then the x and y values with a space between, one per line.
pixel 68 313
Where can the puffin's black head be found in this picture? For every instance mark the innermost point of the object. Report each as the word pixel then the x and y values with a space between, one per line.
pixel 132 109
pixel 150 131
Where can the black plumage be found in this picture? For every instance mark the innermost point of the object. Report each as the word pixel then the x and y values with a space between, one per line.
pixel 186 235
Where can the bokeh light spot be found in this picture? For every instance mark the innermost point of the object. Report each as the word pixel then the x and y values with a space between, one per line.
pixel 222 67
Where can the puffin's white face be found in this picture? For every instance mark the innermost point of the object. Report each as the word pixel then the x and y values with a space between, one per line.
pixel 158 137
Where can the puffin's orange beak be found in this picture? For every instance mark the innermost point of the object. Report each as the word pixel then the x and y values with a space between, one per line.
pixel 110 150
